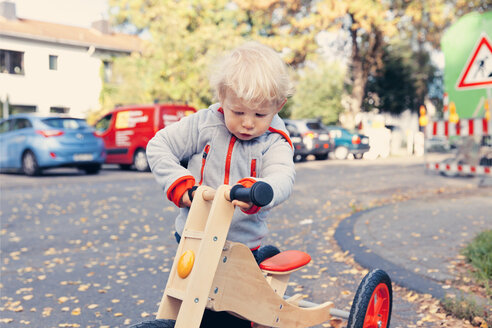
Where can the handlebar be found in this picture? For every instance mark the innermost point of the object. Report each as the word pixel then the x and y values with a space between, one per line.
pixel 260 193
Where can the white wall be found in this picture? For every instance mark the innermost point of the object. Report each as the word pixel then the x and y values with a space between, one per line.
pixel 75 85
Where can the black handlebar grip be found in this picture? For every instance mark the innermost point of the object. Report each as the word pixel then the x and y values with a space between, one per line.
pixel 260 193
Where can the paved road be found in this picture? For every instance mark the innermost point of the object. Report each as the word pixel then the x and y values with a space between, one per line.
pixel 95 250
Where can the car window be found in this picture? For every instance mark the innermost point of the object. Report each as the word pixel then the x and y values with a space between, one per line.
pixel 5 126
pixel 335 133
pixel 21 123
pixel 65 123
pixel 292 130
pixel 103 124
pixel 314 125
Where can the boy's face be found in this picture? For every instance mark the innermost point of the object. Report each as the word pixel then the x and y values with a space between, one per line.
pixel 244 121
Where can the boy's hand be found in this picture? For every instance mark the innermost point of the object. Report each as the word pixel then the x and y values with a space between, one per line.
pixel 185 199
pixel 242 205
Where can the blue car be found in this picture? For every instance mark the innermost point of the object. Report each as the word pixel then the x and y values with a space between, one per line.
pixel 32 142
pixel 348 143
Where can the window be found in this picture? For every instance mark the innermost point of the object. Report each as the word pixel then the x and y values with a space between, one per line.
pixel 11 62
pixel 5 126
pixel 53 63
pixel 103 124
pixel 60 110
pixel 21 123
pixel 66 123
pixel 108 70
pixel 17 109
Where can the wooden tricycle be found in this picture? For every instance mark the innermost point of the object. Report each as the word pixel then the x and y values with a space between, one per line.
pixel 211 272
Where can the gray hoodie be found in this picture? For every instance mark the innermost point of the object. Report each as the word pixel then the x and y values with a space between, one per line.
pixel 216 157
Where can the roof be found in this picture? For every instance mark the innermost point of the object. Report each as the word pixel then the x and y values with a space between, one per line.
pixel 70 35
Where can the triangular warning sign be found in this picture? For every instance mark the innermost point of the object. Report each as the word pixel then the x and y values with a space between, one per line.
pixel 478 68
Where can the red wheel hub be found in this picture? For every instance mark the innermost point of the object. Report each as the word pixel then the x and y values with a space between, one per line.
pixel 378 308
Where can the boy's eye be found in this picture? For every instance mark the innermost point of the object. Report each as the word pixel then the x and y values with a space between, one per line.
pixel 260 115
pixel 237 113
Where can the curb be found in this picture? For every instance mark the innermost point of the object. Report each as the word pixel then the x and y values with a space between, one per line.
pixel 344 235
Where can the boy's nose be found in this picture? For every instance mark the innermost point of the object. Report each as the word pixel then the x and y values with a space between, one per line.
pixel 248 123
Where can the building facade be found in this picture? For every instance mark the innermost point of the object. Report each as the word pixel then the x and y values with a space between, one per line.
pixel 47 67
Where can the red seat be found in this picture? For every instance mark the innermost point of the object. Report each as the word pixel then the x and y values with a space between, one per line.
pixel 286 261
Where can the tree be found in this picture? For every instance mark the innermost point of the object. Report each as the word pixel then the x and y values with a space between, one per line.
pixel 393 87
pixel 319 93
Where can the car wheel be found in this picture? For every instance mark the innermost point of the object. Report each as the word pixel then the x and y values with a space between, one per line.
pixel 30 164
pixel 299 158
pixel 321 156
pixel 91 169
pixel 341 152
pixel 358 156
pixel 140 161
pixel 125 167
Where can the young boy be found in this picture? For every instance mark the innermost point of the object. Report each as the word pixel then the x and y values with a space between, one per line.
pixel 241 139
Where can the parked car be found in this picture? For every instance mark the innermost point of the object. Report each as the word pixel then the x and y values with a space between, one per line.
pixel 34 142
pixel 347 142
pixel 309 138
pixel 127 130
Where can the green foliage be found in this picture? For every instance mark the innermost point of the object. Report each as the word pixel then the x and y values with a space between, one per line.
pixel 479 254
pixel 185 36
pixel 403 82
pixel 319 93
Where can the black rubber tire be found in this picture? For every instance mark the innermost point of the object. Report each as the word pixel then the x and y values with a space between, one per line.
pixel 140 161
pixel 91 169
pixel 158 323
pixel 126 167
pixel 299 158
pixel 30 165
pixel 363 296
pixel 321 157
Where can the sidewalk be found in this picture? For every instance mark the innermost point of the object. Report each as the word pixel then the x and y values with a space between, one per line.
pixel 417 241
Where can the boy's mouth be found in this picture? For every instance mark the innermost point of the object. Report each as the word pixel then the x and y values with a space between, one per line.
pixel 244 136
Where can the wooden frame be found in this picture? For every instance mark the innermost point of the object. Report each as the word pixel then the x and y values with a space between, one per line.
pixel 226 277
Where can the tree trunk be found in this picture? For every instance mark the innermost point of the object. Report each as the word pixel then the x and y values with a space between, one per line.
pixel 362 66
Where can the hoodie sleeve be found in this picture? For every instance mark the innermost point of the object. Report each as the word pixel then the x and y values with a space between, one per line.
pixel 278 170
pixel 165 151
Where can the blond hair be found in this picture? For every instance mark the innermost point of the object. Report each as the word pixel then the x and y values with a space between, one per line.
pixel 255 73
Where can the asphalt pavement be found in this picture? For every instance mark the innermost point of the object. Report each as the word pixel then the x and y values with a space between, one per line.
pixel 419 241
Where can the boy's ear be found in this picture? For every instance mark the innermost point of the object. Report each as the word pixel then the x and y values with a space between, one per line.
pixel 282 105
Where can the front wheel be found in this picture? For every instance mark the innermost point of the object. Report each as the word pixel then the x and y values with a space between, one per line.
pixel 159 323
pixel 373 301
pixel 140 161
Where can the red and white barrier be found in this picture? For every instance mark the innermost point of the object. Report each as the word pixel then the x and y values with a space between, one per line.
pixel 466 127
pixel 457 168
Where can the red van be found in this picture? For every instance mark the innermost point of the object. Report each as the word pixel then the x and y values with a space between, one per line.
pixel 127 130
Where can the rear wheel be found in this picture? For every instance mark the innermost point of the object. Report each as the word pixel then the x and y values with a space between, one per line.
pixel 30 165
pixel 299 158
pixel 341 152
pixel 358 155
pixel 159 323
pixel 91 169
pixel 372 303
pixel 321 156
pixel 140 161
pixel 125 167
